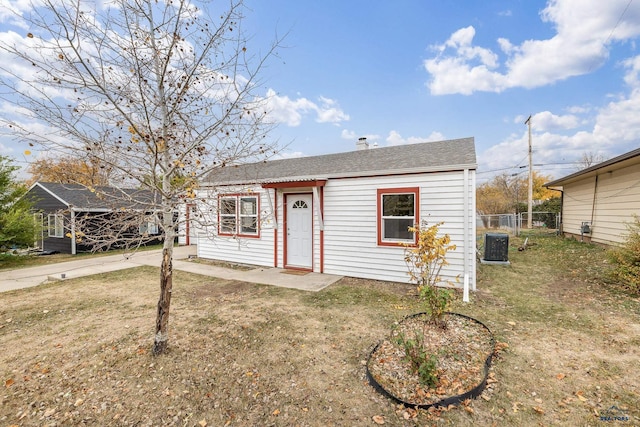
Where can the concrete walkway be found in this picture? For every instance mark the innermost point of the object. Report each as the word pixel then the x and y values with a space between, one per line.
pixel 34 276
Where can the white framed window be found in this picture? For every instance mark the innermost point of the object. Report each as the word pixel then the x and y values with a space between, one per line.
pixel 227 210
pixel 56 225
pixel 397 211
pixel 238 215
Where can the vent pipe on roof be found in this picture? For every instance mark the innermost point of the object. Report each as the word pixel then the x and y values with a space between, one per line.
pixel 362 143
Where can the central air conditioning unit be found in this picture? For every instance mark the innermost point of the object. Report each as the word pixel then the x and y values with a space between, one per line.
pixel 496 247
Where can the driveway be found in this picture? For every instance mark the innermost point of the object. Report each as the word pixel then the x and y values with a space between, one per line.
pixel 34 276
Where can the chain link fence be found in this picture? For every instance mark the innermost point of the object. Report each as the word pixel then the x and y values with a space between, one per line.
pixel 541 222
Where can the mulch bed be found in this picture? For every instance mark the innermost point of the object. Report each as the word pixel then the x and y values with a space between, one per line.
pixel 461 350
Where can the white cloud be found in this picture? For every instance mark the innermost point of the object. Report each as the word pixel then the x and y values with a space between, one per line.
pixel 584 31
pixel 395 138
pixel 291 111
pixel 348 134
pixel 613 130
pixel 546 120
pixel 330 112
pixel 12 11
pixel 631 77
pixel 353 136
pixel 579 109
pixel 5 149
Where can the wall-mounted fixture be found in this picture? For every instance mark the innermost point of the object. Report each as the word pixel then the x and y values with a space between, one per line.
pixel 585 228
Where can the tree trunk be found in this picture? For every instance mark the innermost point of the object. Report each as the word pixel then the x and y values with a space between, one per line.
pixel 162 319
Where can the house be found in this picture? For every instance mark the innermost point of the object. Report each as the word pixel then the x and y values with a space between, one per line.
pixel 344 213
pixel 598 202
pixel 73 215
pixel 188 224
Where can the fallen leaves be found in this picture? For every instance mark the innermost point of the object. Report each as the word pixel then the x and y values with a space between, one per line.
pixel 516 406
pixel 378 419
pixel 580 395
pixel 9 382
pixel 560 376
pixel 462 352
pixel 500 346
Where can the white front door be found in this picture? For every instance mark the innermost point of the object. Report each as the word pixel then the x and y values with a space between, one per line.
pixel 299 231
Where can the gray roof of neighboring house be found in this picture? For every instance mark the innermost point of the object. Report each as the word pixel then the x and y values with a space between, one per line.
pixel 593 169
pixel 452 154
pixel 102 198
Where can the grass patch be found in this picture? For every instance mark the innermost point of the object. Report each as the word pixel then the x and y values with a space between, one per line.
pixel 78 351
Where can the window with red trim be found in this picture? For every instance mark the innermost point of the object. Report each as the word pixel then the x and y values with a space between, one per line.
pixel 238 215
pixel 397 211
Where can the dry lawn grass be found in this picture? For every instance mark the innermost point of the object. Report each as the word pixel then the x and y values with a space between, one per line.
pixel 77 352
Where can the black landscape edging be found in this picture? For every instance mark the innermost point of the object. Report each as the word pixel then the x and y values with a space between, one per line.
pixel 452 400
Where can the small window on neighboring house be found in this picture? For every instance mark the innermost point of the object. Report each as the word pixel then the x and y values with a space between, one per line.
pixel 149 228
pixel 238 215
pixel 56 225
pixel 397 211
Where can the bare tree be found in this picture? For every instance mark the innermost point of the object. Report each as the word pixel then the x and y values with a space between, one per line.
pixel 589 159
pixel 160 93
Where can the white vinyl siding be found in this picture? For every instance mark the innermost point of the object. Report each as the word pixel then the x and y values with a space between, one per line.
pixel 238 249
pixel 351 224
pixel 350 217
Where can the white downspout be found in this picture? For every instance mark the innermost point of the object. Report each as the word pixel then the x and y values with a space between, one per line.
pixel 466 248
pixel 73 232
pixel 474 232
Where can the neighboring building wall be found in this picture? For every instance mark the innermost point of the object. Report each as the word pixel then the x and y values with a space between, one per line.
pixel 577 202
pixel 607 204
pixel 47 204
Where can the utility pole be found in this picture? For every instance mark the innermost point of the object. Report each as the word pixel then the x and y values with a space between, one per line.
pixel 530 205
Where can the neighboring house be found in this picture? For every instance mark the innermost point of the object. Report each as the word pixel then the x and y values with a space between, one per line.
pixel 64 208
pixel 598 202
pixel 344 213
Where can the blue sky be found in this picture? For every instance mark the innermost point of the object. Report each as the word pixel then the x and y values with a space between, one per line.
pixel 415 70
pixel 409 71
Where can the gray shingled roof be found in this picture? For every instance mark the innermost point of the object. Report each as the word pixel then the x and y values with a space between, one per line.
pixel 80 197
pixel 423 157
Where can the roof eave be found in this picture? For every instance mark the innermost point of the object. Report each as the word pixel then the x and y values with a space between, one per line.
pixel 360 174
pixel 593 170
